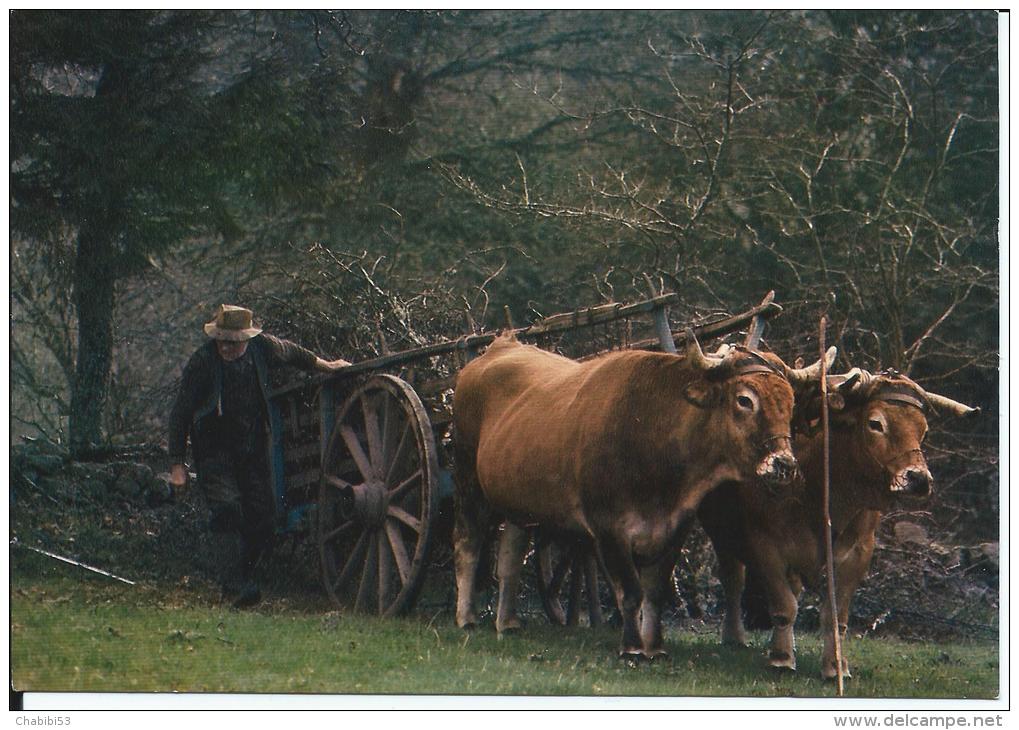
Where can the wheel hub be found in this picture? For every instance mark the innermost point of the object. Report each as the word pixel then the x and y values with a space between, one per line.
pixel 366 503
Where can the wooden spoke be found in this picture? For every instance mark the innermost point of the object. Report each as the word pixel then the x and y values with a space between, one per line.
pixel 385 571
pixel 568 582
pixel 368 576
pixel 593 594
pixel 357 452
pixel 387 412
pixel 405 517
pixel 333 534
pixel 399 490
pixel 371 429
pixel 335 481
pixel 352 561
pixel 576 584
pixel 556 584
pixel 399 551
pixel 398 454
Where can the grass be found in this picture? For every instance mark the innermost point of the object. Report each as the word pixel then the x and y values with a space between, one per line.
pixel 74 632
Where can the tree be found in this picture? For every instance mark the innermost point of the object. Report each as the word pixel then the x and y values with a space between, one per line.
pixel 850 158
pixel 134 131
pixel 847 160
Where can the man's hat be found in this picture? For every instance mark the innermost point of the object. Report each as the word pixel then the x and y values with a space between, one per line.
pixel 231 323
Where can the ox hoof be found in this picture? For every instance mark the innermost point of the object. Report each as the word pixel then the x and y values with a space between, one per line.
pixel 512 626
pixel 655 655
pixel 738 642
pixel 782 661
pixel 632 656
pixel 828 670
pixel 468 623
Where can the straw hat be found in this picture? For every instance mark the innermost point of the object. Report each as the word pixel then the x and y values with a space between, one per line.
pixel 231 323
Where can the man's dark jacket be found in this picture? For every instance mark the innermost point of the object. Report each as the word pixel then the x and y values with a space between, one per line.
pixel 201 387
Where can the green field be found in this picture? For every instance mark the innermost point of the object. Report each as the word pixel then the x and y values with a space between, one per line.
pixel 75 633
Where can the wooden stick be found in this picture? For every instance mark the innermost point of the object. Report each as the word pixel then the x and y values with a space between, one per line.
pixel 829 551
pixel 756 329
pixel 69 561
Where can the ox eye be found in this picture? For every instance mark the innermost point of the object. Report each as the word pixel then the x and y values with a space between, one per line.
pixel 875 425
pixel 743 402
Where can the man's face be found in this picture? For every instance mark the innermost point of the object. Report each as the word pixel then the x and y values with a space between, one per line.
pixel 229 350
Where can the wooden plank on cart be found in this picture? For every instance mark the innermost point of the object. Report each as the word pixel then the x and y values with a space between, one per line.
pixel 588 317
pixel 556 323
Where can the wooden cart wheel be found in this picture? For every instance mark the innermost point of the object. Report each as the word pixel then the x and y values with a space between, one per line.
pixel 568 581
pixel 378 497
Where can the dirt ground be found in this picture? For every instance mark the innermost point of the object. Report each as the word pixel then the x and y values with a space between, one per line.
pixel 118 515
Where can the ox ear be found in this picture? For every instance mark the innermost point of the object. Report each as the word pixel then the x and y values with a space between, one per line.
pixel 702 394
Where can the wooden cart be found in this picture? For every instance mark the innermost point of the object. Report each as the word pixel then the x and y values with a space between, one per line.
pixel 356 458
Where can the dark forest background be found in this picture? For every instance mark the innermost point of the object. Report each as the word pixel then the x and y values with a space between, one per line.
pixel 351 173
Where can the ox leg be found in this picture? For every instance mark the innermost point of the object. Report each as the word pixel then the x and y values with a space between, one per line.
pixel 845 585
pixel 782 605
pixel 655 583
pixel 783 608
pixel 512 549
pixel 466 555
pixel 626 585
pixel 732 573
pixel 469 532
pixel 853 552
pixel 828 653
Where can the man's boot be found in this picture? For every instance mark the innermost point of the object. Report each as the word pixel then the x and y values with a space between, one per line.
pixel 229 555
pixel 250 592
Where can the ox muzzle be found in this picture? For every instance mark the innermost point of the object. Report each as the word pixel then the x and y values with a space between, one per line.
pixel 778 465
pixel 912 478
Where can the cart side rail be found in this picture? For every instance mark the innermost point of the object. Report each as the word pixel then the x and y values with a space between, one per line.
pixel 585 317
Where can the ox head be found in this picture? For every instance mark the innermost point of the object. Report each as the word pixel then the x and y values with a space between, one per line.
pixel 751 395
pixel 887 414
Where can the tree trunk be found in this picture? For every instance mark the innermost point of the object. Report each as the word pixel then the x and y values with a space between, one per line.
pixel 95 276
pixel 94 283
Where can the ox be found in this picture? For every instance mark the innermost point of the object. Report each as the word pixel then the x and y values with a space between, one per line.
pixel 878 424
pixel 618 450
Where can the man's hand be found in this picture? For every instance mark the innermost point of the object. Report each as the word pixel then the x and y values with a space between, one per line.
pixel 178 478
pixel 331 366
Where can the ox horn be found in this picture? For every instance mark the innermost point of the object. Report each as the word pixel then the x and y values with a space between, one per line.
pixel 802 376
pixel 952 406
pixel 855 380
pixel 696 356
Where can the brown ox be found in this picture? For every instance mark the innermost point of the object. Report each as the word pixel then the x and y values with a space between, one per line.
pixel 877 428
pixel 618 450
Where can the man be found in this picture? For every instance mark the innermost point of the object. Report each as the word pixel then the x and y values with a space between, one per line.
pixel 222 405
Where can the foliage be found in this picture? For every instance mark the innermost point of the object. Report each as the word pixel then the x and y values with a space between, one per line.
pixel 133 132
pixel 367 176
